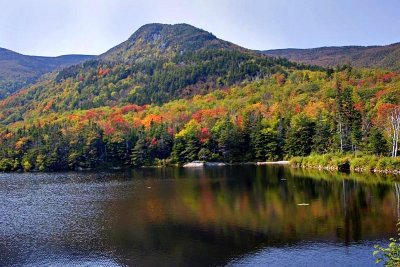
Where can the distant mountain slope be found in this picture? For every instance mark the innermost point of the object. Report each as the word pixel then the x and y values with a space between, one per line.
pixel 385 57
pixel 17 70
pixel 156 64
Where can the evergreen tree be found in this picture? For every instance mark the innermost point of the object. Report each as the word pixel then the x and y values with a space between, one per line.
pixel 229 140
pixel 300 136
pixel 377 143
pixel 349 120
pixel 140 153
pixel 323 139
pixel 178 149
pixel 192 148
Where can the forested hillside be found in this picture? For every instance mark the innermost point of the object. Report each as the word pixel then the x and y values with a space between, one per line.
pixel 383 57
pixel 288 114
pixel 18 71
pixel 174 94
pixel 156 64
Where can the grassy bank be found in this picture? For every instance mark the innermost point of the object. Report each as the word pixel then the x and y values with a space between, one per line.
pixel 354 162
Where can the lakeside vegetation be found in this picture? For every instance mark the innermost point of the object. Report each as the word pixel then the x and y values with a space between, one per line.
pixel 390 255
pixel 355 162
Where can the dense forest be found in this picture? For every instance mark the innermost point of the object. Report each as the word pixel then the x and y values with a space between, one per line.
pixel 288 114
pixel 175 94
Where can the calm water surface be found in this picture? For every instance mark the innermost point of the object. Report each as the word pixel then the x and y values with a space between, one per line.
pixel 235 216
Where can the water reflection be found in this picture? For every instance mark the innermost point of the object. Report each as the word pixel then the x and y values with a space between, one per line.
pixel 195 217
pixel 220 213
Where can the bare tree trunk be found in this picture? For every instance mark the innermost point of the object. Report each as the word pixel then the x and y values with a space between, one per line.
pixel 397 187
pixel 341 136
pixel 395 124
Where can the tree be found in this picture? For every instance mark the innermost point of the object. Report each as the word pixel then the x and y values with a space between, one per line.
pixel 204 154
pixel 348 119
pixel 322 140
pixel 395 124
pixel 140 152
pixel 271 144
pixel 186 143
pixel 377 143
pixel 178 149
pixel 300 136
pixel 390 255
pixel 229 140
pixel 161 142
pixel 266 145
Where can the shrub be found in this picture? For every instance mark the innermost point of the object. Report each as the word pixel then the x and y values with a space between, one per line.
pixel 389 255
pixel 356 161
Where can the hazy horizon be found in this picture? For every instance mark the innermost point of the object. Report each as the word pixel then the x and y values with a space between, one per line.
pixel 54 27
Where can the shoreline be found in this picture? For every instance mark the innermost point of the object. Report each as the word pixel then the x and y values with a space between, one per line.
pixel 348 163
pixel 199 164
pixel 356 170
pixel 279 162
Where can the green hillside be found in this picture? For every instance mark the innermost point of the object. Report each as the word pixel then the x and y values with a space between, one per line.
pixel 18 71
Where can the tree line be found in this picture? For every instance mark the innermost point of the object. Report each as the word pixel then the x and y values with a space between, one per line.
pixel 282 116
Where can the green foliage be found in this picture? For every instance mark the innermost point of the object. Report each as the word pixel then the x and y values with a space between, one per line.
pixel 377 143
pixel 229 140
pixel 349 120
pixel 300 136
pixel 140 153
pixel 389 255
pixel 178 149
pixel 266 145
pixel 322 141
pixel 358 162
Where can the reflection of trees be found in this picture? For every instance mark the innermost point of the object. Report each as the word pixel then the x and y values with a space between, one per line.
pixel 227 202
pixel 397 192
pixel 206 217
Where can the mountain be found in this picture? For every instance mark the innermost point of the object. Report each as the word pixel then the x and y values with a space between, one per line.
pixel 176 94
pixel 383 57
pixel 17 70
pixel 161 41
pixel 158 63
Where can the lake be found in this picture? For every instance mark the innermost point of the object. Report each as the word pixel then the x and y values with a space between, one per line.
pixel 235 216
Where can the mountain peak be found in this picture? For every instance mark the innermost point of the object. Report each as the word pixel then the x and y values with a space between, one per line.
pixel 165 35
pixel 157 29
pixel 164 40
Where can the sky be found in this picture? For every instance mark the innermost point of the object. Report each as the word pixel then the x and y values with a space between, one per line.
pixel 56 27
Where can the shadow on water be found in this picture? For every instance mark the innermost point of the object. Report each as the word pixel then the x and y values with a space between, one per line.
pixel 189 217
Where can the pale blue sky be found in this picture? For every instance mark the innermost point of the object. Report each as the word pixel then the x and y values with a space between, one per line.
pixel 54 27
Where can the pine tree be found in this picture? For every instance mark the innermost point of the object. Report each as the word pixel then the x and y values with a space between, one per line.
pixel 377 142
pixel 178 149
pixel 322 140
pixel 300 136
pixel 140 154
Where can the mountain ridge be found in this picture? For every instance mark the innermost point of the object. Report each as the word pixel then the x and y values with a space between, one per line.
pixel 376 56
pixel 19 70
